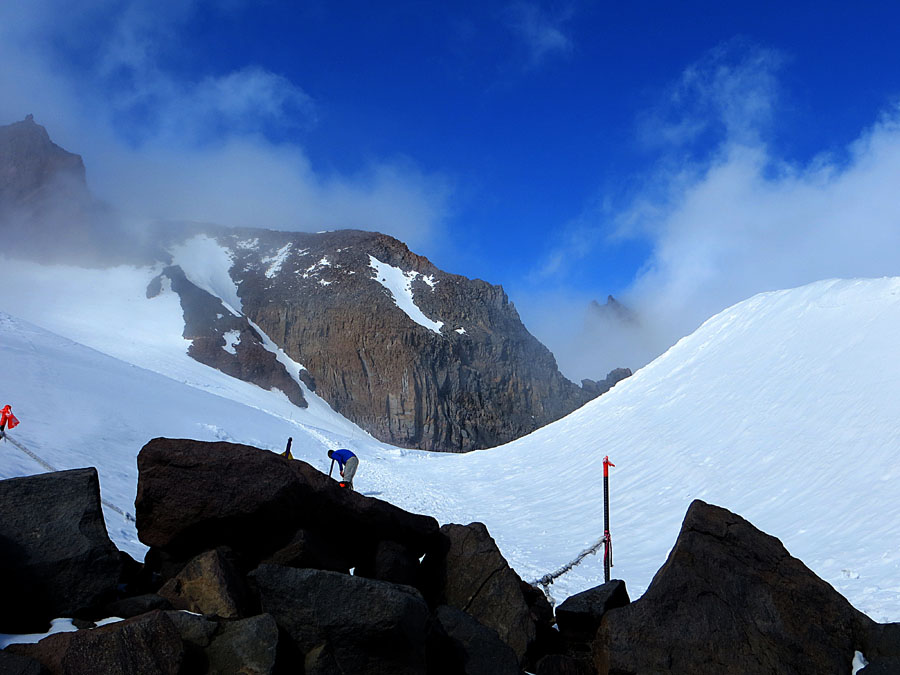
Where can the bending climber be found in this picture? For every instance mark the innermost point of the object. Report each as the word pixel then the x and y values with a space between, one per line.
pixel 7 418
pixel 348 463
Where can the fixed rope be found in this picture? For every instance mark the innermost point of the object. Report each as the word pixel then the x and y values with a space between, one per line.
pixel 545 581
pixel 50 467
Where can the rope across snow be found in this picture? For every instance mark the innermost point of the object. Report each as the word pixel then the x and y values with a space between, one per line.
pixel 50 467
pixel 548 579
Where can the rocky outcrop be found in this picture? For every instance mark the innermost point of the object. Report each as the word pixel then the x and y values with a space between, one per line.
pixel 56 558
pixel 731 599
pixel 602 386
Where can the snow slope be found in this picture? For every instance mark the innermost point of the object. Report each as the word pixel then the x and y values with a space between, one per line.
pixel 782 408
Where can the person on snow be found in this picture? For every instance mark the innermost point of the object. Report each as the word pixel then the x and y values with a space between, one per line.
pixel 348 464
pixel 7 418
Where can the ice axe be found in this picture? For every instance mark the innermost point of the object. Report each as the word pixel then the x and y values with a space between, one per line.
pixel 607 539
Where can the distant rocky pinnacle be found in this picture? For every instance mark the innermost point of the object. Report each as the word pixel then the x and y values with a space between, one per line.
pixel 31 164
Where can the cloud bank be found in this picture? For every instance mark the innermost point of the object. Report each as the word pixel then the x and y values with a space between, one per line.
pixel 161 142
pixel 728 217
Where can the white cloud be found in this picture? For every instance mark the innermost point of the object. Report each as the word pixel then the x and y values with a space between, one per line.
pixel 733 220
pixel 542 33
pixel 160 143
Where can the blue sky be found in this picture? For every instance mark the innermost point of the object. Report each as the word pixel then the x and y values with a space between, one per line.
pixel 680 156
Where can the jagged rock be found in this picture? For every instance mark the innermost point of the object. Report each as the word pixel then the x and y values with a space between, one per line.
pixel 612 379
pixel 248 646
pixel 209 584
pixel 478 649
pixel 56 558
pixel 392 562
pixel 369 626
pixel 308 548
pixel 193 496
pixel 146 645
pixel 730 599
pixel 17 664
pixel 579 616
pixel 471 575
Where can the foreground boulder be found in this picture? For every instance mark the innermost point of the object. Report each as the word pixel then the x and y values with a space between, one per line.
pixel 149 644
pixel 730 599
pixel 194 496
pixel 472 575
pixel 209 584
pixel 56 558
pixel 579 616
pixel 346 624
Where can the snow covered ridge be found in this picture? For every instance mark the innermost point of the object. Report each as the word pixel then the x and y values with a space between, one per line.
pixel 399 284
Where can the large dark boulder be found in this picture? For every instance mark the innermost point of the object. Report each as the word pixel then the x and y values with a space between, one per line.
pixel 193 496
pixel 579 616
pixel 56 558
pixel 146 645
pixel 478 649
pixel 470 573
pixel 730 600
pixel 353 624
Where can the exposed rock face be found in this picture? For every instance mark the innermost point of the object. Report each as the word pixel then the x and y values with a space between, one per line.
pixel 730 599
pixel 440 362
pixel 56 558
pixel 227 342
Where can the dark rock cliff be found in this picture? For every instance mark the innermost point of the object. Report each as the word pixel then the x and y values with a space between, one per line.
pixel 455 370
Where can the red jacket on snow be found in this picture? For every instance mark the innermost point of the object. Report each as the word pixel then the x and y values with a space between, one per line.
pixel 7 419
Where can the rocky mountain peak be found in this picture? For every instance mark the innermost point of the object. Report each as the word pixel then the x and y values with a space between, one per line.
pixel 31 164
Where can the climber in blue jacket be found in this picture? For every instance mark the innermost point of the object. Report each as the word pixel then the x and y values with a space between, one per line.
pixel 348 463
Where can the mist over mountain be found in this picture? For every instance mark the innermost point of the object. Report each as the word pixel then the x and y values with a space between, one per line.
pixel 414 355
